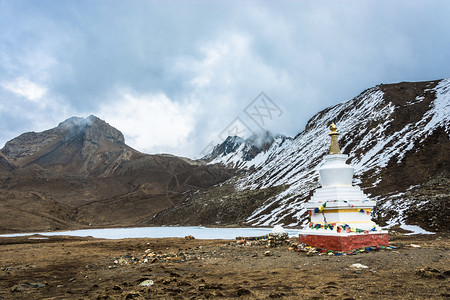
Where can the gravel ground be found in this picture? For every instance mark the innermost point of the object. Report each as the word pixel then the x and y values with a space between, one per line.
pixel 173 268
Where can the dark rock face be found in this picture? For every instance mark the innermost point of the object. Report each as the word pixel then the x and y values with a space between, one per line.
pixel 236 151
pixel 230 145
pixel 5 165
pixel 27 144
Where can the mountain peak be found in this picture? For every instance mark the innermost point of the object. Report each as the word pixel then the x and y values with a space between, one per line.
pixel 72 137
pixel 92 127
pixel 237 152
pixel 78 122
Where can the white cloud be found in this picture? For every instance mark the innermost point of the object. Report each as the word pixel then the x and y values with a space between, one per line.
pixel 25 88
pixel 227 75
pixel 58 61
pixel 229 60
pixel 151 122
pixel 27 106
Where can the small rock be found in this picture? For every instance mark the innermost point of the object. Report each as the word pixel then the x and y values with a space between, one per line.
pixel 243 292
pixel 359 266
pixel 18 288
pixel 36 284
pixel 212 286
pixel 176 258
pixel 267 253
pixel 123 261
pixel 415 246
pixel 276 295
pixel 147 282
pixel 131 295
pixel 25 286
pixel 431 273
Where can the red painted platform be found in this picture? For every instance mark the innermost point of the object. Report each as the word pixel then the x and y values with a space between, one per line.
pixel 344 243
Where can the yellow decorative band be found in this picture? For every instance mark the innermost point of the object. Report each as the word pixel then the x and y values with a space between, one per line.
pixel 346 222
pixel 345 210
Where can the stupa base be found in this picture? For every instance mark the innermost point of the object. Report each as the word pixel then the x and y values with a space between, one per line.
pixel 344 242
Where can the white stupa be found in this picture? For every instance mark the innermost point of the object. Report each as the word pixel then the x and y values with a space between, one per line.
pixel 340 212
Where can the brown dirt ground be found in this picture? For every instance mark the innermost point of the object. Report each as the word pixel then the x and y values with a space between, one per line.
pixel 84 268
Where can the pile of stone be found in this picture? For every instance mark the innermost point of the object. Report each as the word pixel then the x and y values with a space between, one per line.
pixel 152 257
pixel 278 239
pixel 310 251
pixel 178 257
pixel 250 241
pixel 268 240
pixel 433 273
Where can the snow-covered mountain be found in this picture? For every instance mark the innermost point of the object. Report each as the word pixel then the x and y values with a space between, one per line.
pixel 236 152
pixel 397 139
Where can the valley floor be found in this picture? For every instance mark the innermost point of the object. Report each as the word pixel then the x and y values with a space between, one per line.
pixel 87 268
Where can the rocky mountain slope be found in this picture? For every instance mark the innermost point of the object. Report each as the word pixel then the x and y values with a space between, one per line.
pixel 397 138
pixel 82 173
pixel 77 145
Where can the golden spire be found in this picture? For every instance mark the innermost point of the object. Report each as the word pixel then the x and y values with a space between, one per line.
pixel 334 147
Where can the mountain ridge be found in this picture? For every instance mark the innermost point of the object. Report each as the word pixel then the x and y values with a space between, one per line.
pixel 82 172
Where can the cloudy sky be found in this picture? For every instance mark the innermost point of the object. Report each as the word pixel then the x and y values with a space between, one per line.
pixel 178 76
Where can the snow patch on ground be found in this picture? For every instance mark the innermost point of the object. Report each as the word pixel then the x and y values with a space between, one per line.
pixel 414 229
